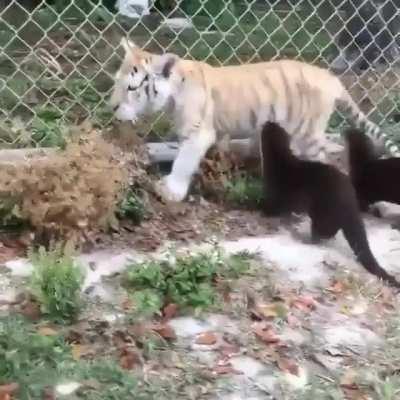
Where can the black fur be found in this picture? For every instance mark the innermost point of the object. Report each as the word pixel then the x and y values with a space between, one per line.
pixel 318 189
pixel 373 179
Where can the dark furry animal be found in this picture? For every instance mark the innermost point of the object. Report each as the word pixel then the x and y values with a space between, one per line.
pixel 373 179
pixel 318 189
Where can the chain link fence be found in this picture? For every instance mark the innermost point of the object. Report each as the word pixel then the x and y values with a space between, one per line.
pixel 58 57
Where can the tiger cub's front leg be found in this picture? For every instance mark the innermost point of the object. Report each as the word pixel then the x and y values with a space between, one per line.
pixel 174 187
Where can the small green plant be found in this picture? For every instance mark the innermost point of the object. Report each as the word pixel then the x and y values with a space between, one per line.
pixel 56 283
pixel 244 191
pixel 187 280
pixel 132 207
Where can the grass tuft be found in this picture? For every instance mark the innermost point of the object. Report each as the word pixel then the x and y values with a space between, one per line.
pixel 38 363
pixel 56 284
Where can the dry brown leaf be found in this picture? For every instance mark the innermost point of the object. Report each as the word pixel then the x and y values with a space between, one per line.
pixel 272 310
pixel 164 330
pixel 127 304
pixel 304 303
pixel 207 338
pixel 228 350
pixel 267 310
pixel 355 394
pixel 337 287
pixel 78 350
pixel 129 359
pixel 287 365
pixel 120 339
pixel 266 334
pixel 8 253
pixel 31 310
pixel 348 380
pixel 47 331
pixel 170 311
pixel 225 369
pixel 138 331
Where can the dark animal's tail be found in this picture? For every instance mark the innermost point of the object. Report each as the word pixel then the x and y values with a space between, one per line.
pixel 360 150
pixel 354 232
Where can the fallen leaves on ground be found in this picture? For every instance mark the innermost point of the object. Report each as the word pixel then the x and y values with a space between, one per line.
pixel 265 333
pixel 350 387
pixel 228 350
pixel 207 338
pixel 170 311
pixel 78 350
pixel 127 304
pixel 30 309
pixel 225 369
pixel 120 338
pixel 304 303
pixel 129 359
pixel 164 330
pixel 348 379
pixel 268 311
pixel 8 253
pixel 337 287
pixel 288 365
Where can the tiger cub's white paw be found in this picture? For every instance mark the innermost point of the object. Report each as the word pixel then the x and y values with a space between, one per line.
pixel 171 189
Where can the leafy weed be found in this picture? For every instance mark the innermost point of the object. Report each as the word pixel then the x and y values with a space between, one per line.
pixel 56 283
pixel 187 280
pixel 132 207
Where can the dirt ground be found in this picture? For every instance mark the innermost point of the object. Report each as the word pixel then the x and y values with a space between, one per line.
pixel 310 323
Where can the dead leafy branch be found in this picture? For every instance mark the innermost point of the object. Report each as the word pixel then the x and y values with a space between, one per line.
pixel 69 193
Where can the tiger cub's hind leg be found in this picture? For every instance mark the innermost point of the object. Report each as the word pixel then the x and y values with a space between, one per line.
pixel 311 138
pixel 310 146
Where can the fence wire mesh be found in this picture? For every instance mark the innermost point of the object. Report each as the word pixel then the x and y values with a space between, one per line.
pixel 58 57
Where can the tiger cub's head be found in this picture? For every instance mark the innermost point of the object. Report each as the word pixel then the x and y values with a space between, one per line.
pixel 144 83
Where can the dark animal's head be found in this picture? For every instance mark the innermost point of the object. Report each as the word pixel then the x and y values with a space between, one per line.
pixel 359 146
pixel 275 141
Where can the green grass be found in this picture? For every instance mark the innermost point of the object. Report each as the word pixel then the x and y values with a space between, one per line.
pixel 187 280
pixel 244 191
pixel 56 284
pixel 37 362
pixel 132 207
